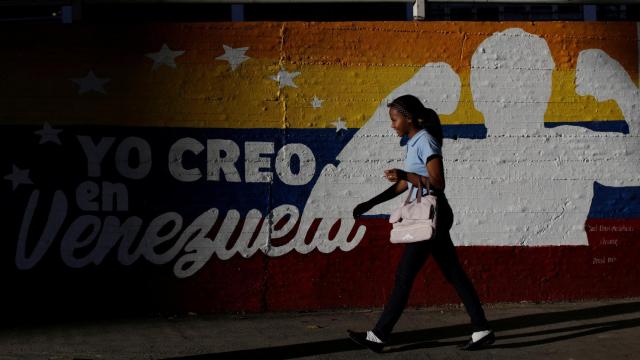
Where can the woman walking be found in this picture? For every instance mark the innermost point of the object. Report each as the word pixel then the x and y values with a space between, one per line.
pixel 423 162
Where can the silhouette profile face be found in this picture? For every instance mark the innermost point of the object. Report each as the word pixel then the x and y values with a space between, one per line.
pixel 511 81
pixel 401 124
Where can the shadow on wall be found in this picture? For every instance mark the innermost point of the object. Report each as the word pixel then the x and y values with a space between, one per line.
pixel 411 340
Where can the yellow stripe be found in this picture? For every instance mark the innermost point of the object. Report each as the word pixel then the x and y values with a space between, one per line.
pixel 211 95
pixel 567 106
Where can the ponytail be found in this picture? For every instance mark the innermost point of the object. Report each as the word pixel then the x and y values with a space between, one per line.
pixel 431 123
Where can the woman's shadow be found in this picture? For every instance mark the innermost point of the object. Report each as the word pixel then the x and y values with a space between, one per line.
pixel 412 340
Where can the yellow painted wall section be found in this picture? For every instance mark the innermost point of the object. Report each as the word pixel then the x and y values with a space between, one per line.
pixel 352 66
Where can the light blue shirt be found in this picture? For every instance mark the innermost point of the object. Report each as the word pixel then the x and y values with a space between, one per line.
pixel 419 148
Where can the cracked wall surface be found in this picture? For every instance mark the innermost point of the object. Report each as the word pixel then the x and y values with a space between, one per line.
pixel 232 155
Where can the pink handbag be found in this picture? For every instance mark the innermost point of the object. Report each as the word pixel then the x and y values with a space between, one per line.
pixel 415 220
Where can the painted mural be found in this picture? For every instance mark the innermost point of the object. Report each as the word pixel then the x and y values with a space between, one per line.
pixel 224 160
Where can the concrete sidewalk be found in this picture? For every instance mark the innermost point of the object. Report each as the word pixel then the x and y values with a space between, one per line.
pixel 584 330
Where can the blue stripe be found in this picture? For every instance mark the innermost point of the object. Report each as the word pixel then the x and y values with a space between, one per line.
pixel 464 131
pixel 479 131
pixel 615 202
pixel 620 126
pixel 64 167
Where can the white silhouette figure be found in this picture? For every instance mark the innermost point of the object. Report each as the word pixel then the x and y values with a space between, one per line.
pixel 500 194
pixel 358 177
pixel 522 185
pixel 511 82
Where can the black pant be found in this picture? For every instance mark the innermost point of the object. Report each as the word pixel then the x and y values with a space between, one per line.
pixel 414 257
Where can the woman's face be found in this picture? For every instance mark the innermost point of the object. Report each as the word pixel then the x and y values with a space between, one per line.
pixel 399 123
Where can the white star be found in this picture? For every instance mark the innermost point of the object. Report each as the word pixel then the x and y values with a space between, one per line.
pixel 339 124
pixel 48 134
pixel 90 82
pixel 165 56
pixel 316 103
pixel 285 78
pixel 235 57
pixel 18 177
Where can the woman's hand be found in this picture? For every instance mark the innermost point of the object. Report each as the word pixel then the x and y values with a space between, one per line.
pixel 394 175
pixel 361 209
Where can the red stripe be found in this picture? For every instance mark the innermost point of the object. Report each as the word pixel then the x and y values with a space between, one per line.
pixel 363 277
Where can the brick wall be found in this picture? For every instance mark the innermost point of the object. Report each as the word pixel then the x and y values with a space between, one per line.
pixel 214 167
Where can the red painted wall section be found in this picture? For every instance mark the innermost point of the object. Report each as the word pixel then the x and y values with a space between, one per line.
pixel 604 269
pixel 214 167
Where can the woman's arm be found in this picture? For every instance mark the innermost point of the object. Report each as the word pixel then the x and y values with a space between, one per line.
pixel 435 169
pixel 394 190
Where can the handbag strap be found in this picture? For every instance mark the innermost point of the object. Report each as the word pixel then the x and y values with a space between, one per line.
pixel 419 194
